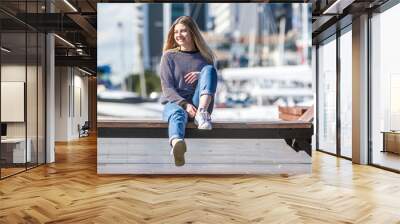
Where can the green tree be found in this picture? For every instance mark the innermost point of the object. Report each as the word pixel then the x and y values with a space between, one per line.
pixel 153 82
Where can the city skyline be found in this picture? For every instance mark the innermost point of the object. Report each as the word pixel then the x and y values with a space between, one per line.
pixel 115 42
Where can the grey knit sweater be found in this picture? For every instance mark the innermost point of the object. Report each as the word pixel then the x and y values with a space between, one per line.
pixel 174 66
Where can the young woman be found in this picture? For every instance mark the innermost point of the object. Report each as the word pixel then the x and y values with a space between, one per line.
pixel 188 81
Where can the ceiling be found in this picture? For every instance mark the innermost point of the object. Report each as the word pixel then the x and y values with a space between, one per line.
pixel 76 22
pixel 330 15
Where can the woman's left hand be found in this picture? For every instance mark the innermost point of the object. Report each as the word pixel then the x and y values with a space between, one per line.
pixel 191 77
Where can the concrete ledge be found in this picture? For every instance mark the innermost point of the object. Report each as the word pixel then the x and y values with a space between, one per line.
pixel 289 169
pixel 204 156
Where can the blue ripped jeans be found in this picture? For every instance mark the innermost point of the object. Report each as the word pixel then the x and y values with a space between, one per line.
pixel 177 117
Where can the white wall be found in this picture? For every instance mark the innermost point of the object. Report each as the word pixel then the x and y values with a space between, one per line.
pixel 33 125
pixel 79 115
pixel 15 73
pixel 12 73
pixel 61 103
pixel 12 100
pixel 71 94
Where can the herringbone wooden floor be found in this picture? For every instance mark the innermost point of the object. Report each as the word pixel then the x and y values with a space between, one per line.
pixel 70 191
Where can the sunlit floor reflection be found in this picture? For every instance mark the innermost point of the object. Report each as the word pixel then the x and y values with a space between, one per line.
pixel 386 159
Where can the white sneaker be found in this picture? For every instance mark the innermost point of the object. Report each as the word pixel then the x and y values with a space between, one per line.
pixel 203 120
pixel 178 150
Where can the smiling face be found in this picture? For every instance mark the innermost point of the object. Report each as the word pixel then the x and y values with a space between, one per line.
pixel 182 37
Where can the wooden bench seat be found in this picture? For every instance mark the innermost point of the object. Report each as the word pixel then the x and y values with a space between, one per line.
pixel 297 134
pixel 216 125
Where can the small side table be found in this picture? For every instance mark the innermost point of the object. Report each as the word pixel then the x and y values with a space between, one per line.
pixel 391 141
pixel 14 149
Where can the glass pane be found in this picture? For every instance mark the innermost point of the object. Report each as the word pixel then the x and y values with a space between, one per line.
pixel 41 98
pixel 346 94
pixel 327 97
pixel 386 89
pixel 31 98
pixel 31 85
pixel 13 86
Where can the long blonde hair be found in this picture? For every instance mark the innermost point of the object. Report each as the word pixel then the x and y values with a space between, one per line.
pixel 197 38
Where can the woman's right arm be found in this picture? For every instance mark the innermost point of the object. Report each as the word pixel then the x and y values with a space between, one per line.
pixel 167 81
